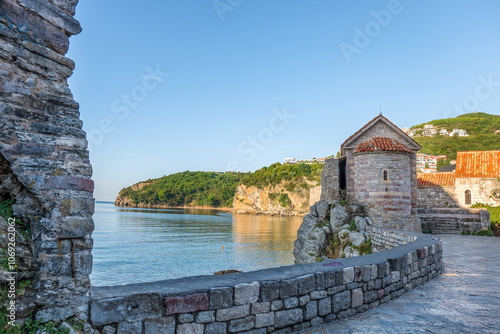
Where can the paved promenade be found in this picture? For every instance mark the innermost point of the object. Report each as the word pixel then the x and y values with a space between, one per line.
pixel 465 299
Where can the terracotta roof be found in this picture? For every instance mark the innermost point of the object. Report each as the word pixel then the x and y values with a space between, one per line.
pixel 480 164
pixel 373 121
pixel 381 144
pixel 436 179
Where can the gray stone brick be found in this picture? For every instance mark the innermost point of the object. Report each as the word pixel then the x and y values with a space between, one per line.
pixel 320 281
pixel 318 294
pixel 189 329
pixel 246 293
pixel 107 311
pixel 311 310
pixel 291 302
pixel 126 327
pixel 263 307
pixel 183 318
pixel 330 317
pixel 306 284
pixel 316 321
pixel 370 296
pixel 277 305
pixel 216 328
pixel 160 325
pixel 304 300
pixel 234 312
pixel 288 317
pixel 221 298
pixel 341 301
pixel 366 273
pixel 269 291
pixel 243 324
pixel 348 275
pixel 358 273
pixel 205 317
pixel 325 306
pixel 288 288
pixel 331 279
pixel 264 319
pixel 336 289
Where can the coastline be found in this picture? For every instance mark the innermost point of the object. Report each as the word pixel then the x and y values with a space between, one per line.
pixel 228 210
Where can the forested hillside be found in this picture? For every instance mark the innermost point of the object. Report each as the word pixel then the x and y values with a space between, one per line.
pixel 481 128
pixel 184 189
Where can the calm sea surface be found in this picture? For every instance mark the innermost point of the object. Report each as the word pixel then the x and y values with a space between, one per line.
pixel 133 245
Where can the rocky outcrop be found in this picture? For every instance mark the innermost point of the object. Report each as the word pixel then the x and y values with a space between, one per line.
pixel 332 231
pixel 272 200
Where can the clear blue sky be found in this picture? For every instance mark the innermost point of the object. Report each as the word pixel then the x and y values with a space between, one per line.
pixel 329 65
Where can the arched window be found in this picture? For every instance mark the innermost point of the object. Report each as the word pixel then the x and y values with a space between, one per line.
pixel 468 197
pixel 386 175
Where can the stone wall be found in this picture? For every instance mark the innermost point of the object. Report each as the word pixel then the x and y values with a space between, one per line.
pixel 278 300
pixel 330 181
pixel 384 238
pixel 44 161
pixel 480 190
pixel 436 197
pixel 454 220
pixel 389 203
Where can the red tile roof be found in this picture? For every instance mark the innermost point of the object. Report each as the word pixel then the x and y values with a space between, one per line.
pixel 373 121
pixel 436 179
pixel 382 144
pixel 480 164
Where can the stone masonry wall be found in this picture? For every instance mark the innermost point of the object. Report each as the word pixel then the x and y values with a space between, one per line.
pixel 279 300
pixel 383 238
pixel 436 197
pixel 388 202
pixel 330 181
pixel 43 150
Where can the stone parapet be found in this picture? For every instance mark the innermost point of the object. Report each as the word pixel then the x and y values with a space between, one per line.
pixel 271 300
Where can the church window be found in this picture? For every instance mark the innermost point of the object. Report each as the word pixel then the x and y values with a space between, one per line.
pixel 468 197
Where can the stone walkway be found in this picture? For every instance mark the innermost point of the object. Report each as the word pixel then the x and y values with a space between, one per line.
pixel 465 299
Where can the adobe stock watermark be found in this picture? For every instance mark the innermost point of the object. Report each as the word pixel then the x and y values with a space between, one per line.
pixel 371 30
pixel 483 91
pixel 12 272
pixel 223 6
pixel 123 105
pixel 250 147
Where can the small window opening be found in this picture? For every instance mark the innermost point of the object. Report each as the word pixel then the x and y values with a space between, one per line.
pixel 468 197
pixel 386 175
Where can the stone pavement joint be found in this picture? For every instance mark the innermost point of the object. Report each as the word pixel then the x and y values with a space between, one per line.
pixel 465 299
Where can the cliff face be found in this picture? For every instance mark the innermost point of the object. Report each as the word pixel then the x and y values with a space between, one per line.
pixel 125 201
pixel 272 200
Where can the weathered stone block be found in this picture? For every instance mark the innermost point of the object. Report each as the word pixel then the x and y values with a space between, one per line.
pixel 291 302
pixel 191 303
pixel 269 291
pixel 325 306
pixel 264 319
pixel 288 288
pixel 216 328
pixel 277 305
pixel 288 317
pixel 160 325
pixel 205 317
pixel 318 294
pixel 233 313
pixel 221 298
pixel 190 329
pixel 370 296
pixel 243 324
pixel 263 307
pixel 129 327
pixel 304 300
pixel 395 276
pixel 348 275
pixel 246 293
pixel 107 311
pixel 142 306
pixel 311 310
pixel 341 301
pixel 306 284
pixel 185 318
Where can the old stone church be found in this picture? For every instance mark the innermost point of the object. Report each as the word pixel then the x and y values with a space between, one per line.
pixel 377 168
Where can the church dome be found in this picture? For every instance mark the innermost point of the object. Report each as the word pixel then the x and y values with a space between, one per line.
pixel 382 144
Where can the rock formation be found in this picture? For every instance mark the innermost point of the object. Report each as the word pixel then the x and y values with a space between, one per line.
pixel 339 230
